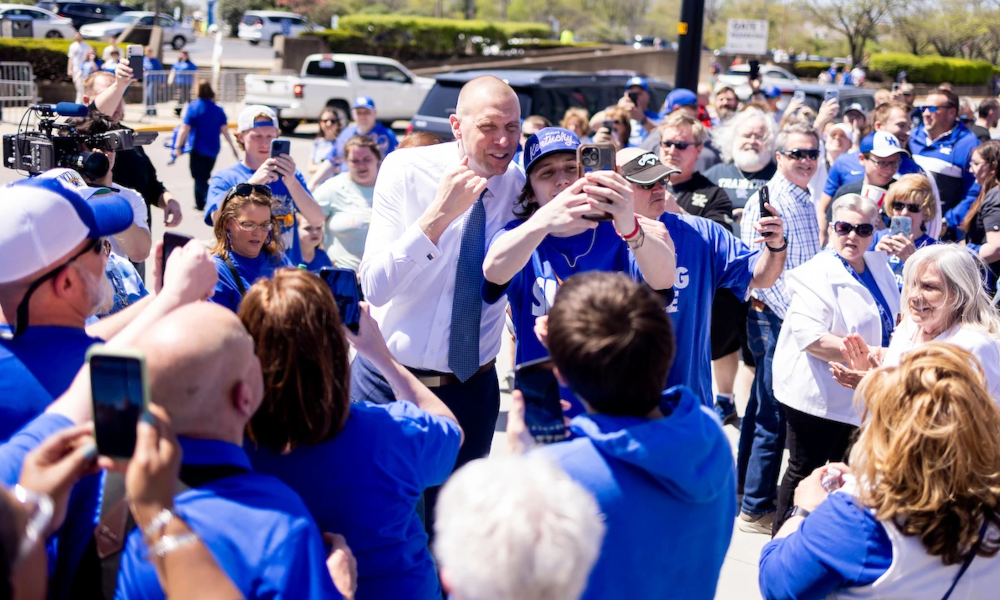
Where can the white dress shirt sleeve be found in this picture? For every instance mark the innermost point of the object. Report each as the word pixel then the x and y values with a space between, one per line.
pixel 395 252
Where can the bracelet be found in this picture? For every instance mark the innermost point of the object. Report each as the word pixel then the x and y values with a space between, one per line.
pixel 781 249
pixel 158 523
pixel 169 543
pixel 798 511
pixel 637 242
pixel 634 231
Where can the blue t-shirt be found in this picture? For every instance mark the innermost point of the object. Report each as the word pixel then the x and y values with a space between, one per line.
pixel 22 396
pixel 383 137
pixel 52 353
pixel 256 528
pixel 533 289
pixel 206 119
pixel 379 465
pixel 819 558
pixel 153 64
pixel 184 75
pixel 709 258
pixel 639 132
pixel 894 263
pixel 847 169
pixel 321 260
pixel 26 439
pixel 227 292
pixel 284 207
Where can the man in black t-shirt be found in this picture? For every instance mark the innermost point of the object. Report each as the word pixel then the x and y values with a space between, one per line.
pixel 747 145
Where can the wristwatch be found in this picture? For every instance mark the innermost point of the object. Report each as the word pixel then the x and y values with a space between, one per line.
pixel 798 511
pixel 780 249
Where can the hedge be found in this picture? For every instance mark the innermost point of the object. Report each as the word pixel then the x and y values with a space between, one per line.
pixel 809 69
pixel 48 57
pixel 422 38
pixel 932 69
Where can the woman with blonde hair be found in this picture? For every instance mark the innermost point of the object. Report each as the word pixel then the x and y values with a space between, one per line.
pixel 247 245
pixel 917 514
pixel 912 197
pixel 577 120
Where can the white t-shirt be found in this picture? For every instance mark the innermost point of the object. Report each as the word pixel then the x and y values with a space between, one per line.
pixel 348 209
pixel 106 54
pixel 78 52
pixel 978 343
pixel 138 214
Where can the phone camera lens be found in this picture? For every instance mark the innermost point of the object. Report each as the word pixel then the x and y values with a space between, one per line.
pixel 590 157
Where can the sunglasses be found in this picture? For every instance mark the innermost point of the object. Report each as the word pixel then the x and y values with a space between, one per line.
pixel 678 145
pixel 863 230
pixel 245 189
pixel 934 109
pixel 330 121
pixel 797 154
pixel 913 208
pixel 649 186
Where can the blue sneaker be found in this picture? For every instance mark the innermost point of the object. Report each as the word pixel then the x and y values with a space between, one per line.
pixel 726 409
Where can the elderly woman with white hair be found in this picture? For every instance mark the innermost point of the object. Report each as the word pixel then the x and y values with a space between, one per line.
pixel 842 291
pixel 746 144
pixel 943 300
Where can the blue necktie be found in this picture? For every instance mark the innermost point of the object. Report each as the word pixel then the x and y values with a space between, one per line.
pixel 467 305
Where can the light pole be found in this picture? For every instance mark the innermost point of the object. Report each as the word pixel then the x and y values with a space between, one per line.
pixel 689 31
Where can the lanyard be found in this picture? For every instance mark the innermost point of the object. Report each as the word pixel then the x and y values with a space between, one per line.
pixel 888 323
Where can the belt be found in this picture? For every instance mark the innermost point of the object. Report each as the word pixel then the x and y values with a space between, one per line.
pixel 759 306
pixel 435 379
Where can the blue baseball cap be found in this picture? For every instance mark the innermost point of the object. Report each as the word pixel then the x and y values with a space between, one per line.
pixel 770 91
pixel 548 141
pixel 364 102
pixel 680 97
pixel 639 81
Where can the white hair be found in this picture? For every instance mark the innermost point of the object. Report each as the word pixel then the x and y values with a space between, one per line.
pixel 724 136
pixel 855 203
pixel 516 528
pixel 963 273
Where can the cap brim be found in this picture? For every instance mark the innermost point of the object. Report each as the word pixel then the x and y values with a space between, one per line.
pixel 112 213
pixel 652 174
pixel 887 152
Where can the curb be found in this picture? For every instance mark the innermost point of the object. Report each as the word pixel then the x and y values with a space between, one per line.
pixel 167 127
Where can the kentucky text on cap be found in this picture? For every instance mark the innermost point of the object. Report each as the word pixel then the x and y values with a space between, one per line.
pixel 881 144
pixel 547 141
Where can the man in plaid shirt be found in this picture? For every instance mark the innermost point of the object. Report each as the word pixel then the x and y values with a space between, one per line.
pixel 762 438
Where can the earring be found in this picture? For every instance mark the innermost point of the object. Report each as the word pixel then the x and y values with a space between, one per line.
pixel 229 241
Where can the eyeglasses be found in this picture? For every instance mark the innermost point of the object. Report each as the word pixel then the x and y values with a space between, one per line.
pixel 251 226
pixel 678 145
pixel 330 121
pixel 913 208
pixel 649 186
pixel 797 154
pixel 884 164
pixel 845 228
pixel 38 521
pixel 934 109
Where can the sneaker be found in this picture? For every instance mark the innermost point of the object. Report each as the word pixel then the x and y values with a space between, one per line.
pixel 751 524
pixel 726 409
pixel 509 380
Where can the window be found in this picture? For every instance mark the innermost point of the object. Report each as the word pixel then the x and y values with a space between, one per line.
pixel 146 21
pixel 777 75
pixel 274 20
pixel 250 20
pixel 369 71
pixel 166 22
pixel 34 14
pixel 391 73
pixel 326 68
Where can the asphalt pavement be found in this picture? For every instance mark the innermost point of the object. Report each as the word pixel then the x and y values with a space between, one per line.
pixel 236 53
pixel 738 580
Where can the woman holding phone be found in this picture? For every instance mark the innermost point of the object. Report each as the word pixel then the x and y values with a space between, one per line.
pixel 248 246
pixel 382 456
pixel 911 197
pixel 556 236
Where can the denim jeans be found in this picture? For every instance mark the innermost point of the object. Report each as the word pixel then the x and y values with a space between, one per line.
pixel 762 438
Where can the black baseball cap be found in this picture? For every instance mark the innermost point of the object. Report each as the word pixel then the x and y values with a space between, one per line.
pixel 646 168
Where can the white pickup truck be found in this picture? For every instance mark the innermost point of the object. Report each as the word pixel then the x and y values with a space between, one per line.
pixel 336 80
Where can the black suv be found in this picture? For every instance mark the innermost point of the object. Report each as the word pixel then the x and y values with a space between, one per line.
pixel 545 93
pixel 82 13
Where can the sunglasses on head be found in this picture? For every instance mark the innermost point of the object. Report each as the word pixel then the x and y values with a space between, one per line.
pixel 863 229
pixel 913 208
pixel 244 190
pixel 678 145
pixel 797 154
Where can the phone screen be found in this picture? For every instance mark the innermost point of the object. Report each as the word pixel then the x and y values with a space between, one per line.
pixel 344 285
pixel 764 196
pixel 799 95
pixel 118 393
pixel 279 147
pixel 634 97
pixel 543 414
pixel 171 242
pixel 900 225
pixel 754 69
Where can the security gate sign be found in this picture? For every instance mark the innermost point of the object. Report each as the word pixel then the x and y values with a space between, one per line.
pixel 745 36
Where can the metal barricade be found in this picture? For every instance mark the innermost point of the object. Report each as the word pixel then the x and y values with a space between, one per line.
pixel 159 88
pixel 17 85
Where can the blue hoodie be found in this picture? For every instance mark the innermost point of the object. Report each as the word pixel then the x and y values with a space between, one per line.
pixel 947 159
pixel 667 488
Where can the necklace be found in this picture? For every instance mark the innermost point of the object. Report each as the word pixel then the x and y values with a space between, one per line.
pixel 576 259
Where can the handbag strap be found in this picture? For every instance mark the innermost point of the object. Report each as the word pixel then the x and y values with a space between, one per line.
pixel 968 559
pixel 236 276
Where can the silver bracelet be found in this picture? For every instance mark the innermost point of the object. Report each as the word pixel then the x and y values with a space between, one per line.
pixel 169 543
pixel 158 523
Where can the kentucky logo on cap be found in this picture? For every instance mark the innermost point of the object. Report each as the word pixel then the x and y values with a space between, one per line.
pixel 648 159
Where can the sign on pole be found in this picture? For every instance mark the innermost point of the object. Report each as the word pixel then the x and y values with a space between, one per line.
pixel 745 36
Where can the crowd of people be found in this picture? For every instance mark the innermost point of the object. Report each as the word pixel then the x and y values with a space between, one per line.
pixel 832 266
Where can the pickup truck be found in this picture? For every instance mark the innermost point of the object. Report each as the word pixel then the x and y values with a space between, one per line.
pixel 335 80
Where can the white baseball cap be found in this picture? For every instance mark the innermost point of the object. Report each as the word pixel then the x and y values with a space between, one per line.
pixel 881 144
pixel 248 117
pixel 46 217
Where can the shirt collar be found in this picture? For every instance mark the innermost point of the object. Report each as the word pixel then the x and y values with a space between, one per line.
pixel 213 452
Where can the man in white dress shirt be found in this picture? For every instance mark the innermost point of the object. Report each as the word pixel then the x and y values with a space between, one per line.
pixel 434 209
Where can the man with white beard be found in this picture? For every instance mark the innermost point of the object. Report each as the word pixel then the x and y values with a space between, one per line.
pixel 746 143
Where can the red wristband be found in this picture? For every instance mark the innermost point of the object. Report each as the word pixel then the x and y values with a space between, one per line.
pixel 634 231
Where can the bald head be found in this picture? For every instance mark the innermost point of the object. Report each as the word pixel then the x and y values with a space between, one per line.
pixel 481 91
pixel 487 125
pixel 203 371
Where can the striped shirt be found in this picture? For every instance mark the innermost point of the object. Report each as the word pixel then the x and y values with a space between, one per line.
pixel 801 227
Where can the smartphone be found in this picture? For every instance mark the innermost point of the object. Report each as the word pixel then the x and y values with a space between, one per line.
pixel 171 242
pixel 279 147
pixel 831 95
pixel 609 124
pixel 895 87
pixel 799 95
pixel 764 196
pixel 901 225
pixel 754 69
pixel 346 292
pixel 134 55
pixel 634 97
pixel 595 157
pixel 543 414
pixel 119 387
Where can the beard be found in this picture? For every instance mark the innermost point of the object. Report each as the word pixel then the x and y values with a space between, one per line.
pixel 99 292
pixel 750 161
pixel 725 113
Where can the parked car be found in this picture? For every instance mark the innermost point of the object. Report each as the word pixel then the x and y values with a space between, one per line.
pixel 81 13
pixel 264 25
pixel 177 34
pixel 545 93
pixel 847 95
pixel 738 78
pixel 335 80
pixel 44 24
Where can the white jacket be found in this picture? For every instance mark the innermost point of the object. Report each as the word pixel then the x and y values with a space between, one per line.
pixel 826 299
